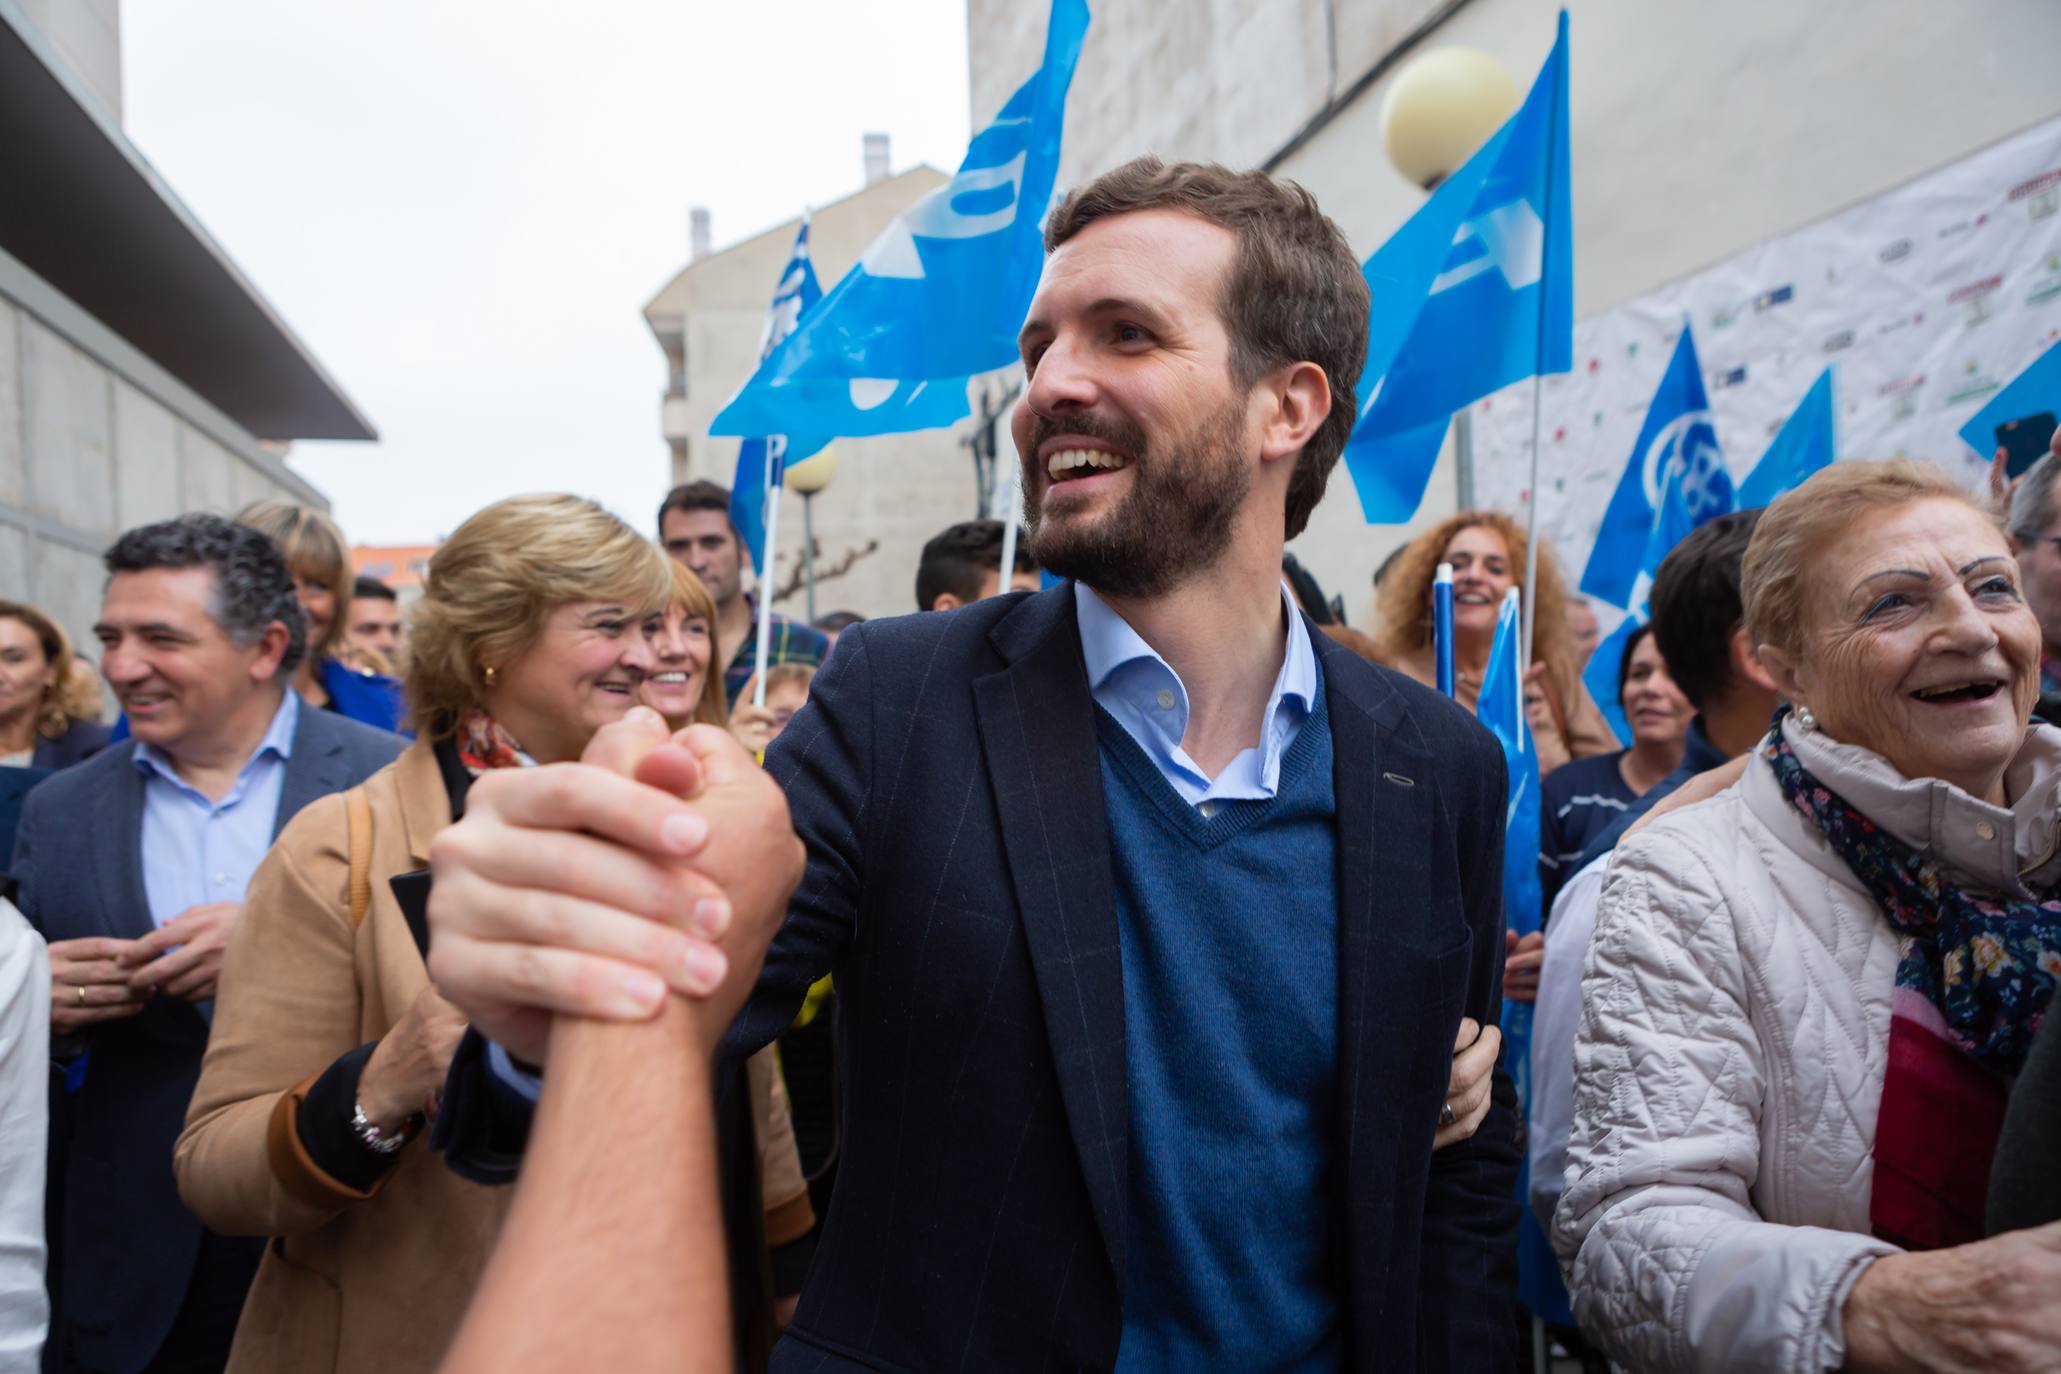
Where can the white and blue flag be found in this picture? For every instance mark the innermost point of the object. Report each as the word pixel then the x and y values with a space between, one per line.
pixel 941 294
pixel 2031 392
pixel 1475 292
pixel 1688 497
pixel 1678 433
pixel 761 461
pixel 1804 444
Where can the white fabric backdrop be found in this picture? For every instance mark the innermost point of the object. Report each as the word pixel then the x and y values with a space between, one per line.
pixel 1927 299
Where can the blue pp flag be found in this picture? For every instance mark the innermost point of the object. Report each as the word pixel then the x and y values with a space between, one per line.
pixel 2032 391
pixel 1501 709
pixel 941 294
pixel 1804 444
pixel 1475 292
pixel 1677 433
pixel 760 462
pixel 1679 513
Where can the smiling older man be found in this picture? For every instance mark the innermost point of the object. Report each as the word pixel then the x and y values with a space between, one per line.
pixel 1155 914
pixel 133 866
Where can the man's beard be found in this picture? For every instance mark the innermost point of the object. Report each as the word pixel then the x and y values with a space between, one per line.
pixel 1174 521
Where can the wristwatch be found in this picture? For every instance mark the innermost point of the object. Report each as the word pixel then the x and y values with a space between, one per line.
pixel 378 1141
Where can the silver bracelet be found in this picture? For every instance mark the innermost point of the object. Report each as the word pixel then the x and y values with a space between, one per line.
pixel 372 1137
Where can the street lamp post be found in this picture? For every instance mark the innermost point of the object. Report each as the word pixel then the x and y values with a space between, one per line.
pixel 808 477
pixel 1440 108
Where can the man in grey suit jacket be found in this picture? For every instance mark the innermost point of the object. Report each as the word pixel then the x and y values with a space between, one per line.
pixel 133 866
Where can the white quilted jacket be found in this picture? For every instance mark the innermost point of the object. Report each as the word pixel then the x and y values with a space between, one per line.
pixel 1731 1055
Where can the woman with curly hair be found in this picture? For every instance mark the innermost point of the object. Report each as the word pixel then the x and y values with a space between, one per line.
pixel 1486 549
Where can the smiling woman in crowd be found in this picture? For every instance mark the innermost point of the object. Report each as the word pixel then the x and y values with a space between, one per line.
pixel 680 686
pixel 38 727
pixel 1808 997
pixel 1581 800
pixel 1486 549
pixel 329 1045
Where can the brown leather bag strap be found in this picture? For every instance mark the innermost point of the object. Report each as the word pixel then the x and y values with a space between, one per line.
pixel 359 812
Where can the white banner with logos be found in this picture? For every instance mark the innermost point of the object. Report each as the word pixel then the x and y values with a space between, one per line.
pixel 1926 299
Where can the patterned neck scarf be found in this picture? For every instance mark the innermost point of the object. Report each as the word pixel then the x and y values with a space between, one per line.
pixel 1973 981
pixel 483 743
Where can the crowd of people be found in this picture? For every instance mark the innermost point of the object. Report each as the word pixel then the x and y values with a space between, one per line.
pixel 1105 976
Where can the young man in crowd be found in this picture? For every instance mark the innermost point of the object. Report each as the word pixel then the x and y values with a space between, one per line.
pixel 694 525
pixel 964 565
pixel 374 622
pixel 133 866
pixel 1149 1077
pixel 1699 625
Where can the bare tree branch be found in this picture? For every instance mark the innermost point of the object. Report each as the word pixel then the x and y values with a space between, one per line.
pixel 796 575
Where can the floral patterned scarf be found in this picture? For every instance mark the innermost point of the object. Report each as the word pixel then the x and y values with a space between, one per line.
pixel 484 743
pixel 1972 984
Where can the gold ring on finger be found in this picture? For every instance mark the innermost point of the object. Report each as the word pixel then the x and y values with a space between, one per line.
pixel 82 994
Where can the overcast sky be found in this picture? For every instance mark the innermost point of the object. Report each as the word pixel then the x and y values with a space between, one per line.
pixel 461 207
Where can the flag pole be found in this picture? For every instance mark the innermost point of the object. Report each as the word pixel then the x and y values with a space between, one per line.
pixel 1538 382
pixel 776 455
pixel 1531 526
pixel 1011 513
pixel 1442 625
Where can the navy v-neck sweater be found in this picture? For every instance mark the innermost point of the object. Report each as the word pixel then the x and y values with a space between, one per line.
pixel 1229 927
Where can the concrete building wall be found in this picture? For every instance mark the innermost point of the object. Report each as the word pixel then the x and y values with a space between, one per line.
pixel 897 489
pixel 96 438
pixel 88 35
pixel 1697 130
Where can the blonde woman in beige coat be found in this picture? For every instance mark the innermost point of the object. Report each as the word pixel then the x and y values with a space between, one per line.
pixel 329 1046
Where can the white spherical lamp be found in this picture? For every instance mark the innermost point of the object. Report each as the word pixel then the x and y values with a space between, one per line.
pixel 813 473
pixel 1440 108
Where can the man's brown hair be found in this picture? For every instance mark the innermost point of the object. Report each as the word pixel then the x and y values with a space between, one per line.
pixel 1294 293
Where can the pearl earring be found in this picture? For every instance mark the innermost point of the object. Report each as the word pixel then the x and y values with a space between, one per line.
pixel 1805 718
pixel 490 675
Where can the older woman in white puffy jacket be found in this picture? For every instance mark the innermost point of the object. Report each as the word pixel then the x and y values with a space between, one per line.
pixel 1807 997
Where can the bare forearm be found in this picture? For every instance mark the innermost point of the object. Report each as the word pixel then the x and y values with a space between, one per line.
pixel 612 1257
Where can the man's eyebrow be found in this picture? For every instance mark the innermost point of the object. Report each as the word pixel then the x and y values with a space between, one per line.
pixel 163 629
pixel 1107 305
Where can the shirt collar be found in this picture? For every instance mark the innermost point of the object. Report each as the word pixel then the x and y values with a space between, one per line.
pixel 278 741
pixel 1108 643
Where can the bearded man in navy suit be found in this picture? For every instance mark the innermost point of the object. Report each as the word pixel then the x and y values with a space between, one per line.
pixel 1154 913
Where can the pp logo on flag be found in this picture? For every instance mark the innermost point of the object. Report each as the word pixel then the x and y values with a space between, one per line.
pixel 1513 242
pixel 1690 441
pixel 977 202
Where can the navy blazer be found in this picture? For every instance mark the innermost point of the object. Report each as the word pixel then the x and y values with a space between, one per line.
pixel 129 1244
pixel 946 779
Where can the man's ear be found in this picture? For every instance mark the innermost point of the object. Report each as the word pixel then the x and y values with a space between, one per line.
pixel 945 601
pixel 1300 401
pixel 271 647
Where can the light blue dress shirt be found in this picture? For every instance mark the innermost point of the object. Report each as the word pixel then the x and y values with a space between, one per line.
pixel 1134 684
pixel 197 851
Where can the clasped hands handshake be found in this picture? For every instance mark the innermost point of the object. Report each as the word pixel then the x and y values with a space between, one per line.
pixel 660 864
